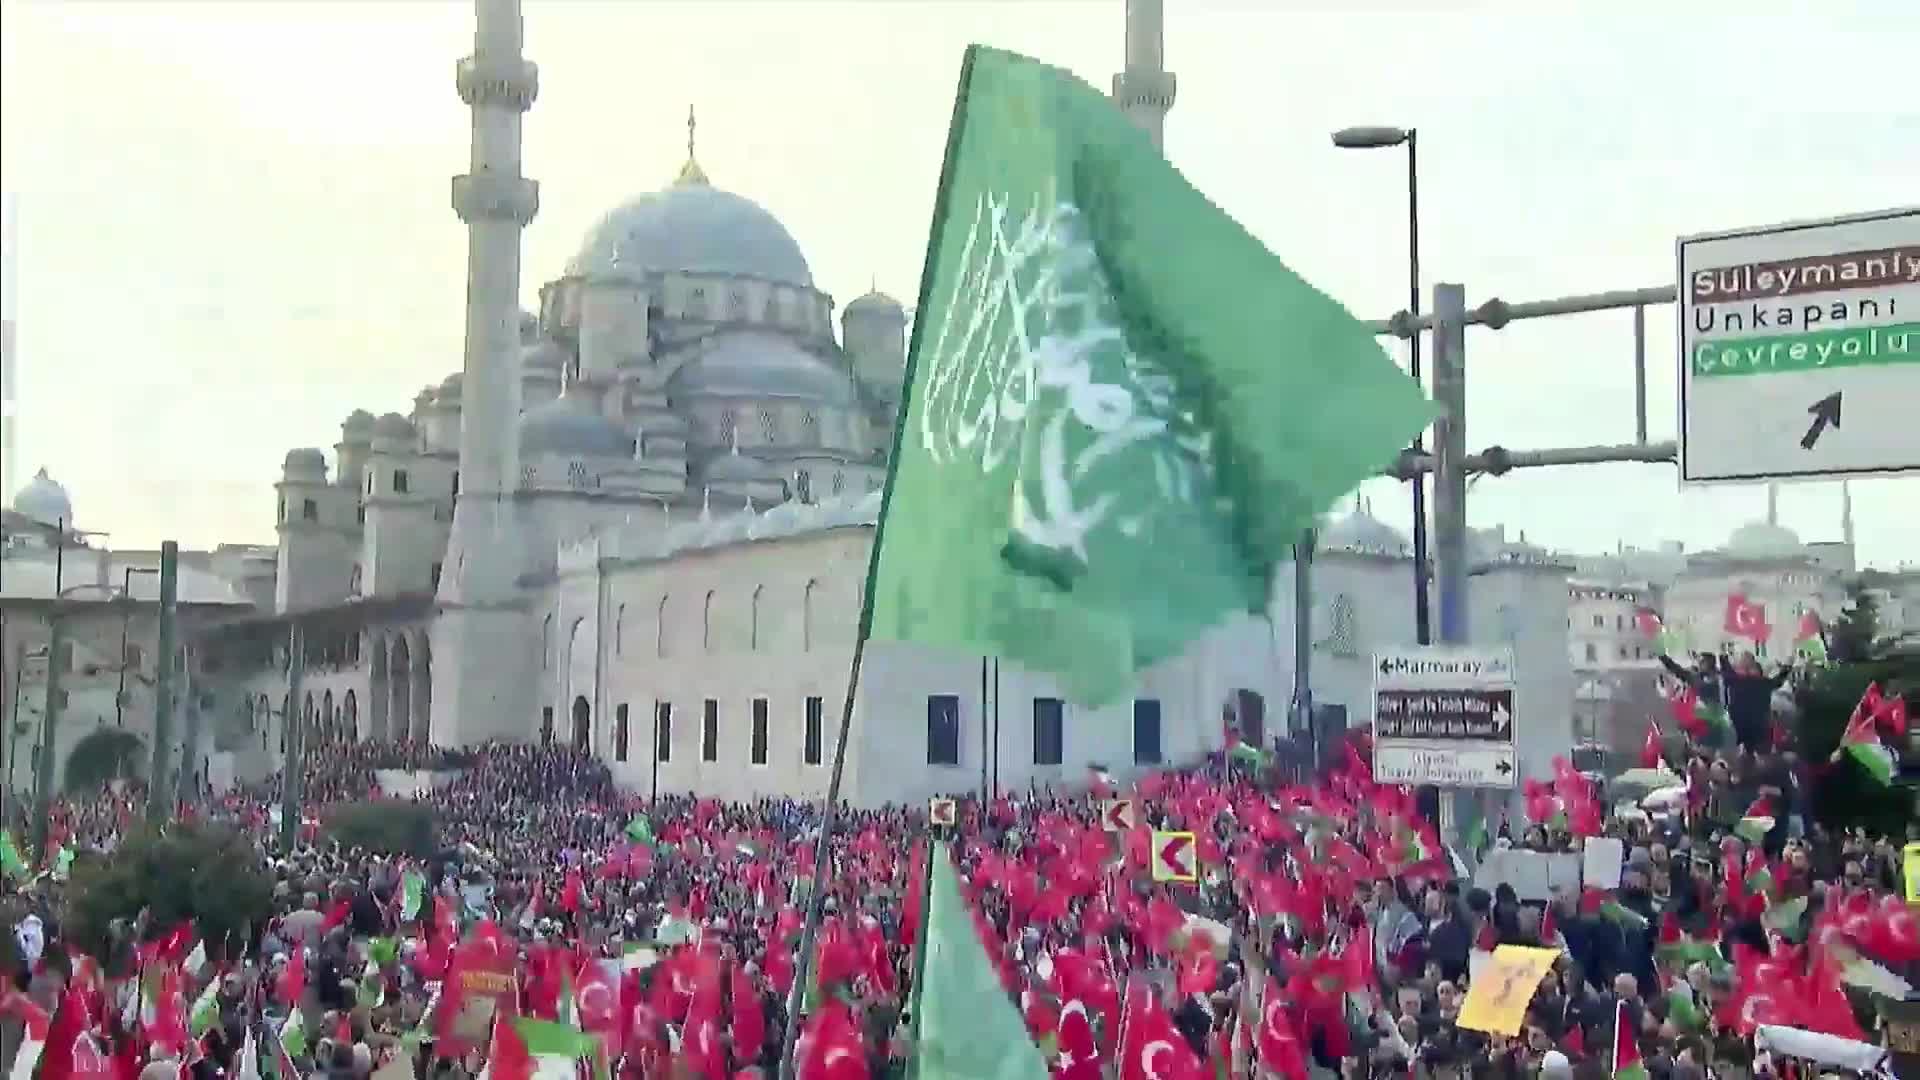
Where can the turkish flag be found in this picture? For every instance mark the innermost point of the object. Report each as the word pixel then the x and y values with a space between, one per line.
pixel 1747 619
pixel 1154 1049
pixel 834 1050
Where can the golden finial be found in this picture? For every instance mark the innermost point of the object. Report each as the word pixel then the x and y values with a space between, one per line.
pixel 691 173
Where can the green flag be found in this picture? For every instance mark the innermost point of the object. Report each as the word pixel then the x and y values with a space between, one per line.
pixel 1120 409
pixel 11 863
pixel 640 830
pixel 967 1025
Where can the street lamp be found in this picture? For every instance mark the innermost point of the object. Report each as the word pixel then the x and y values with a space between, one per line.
pixel 1380 138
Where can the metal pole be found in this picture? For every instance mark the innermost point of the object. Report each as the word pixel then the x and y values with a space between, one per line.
pixel 159 791
pixel 290 770
pixel 983 728
pixel 1450 490
pixel 50 717
pixel 1422 607
pixel 656 751
pixel 1303 643
pixel 996 727
pixel 1640 374
pixel 126 622
pixel 12 745
pixel 1450 475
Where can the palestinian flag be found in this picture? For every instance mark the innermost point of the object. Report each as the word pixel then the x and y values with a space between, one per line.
pixel 413 895
pixel 1757 822
pixel 1626 1048
pixel 206 1010
pixel 640 830
pixel 293 1034
pixel 1861 742
pixel 1810 642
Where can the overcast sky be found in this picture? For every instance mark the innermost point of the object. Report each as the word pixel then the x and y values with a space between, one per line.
pixel 235 225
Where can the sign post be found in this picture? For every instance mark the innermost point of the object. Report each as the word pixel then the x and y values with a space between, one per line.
pixel 1800 350
pixel 1444 716
pixel 1175 858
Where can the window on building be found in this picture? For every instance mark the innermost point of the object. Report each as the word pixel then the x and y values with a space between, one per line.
pixel 1600 622
pixel 663 731
pixel 309 510
pixel 546 725
pixel 710 731
pixel 620 732
pixel 1049 738
pixel 759 746
pixel 1592 652
pixel 1146 731
pixel 436 577
pixel 1619 622
pixel 943 729
pixel 456 483
pixel 399 481
pixel 360 513
pixel 281 514
pixel 811 739
pixel 134 656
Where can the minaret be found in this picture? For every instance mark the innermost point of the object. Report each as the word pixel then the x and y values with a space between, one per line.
pixel 1773 504
pixel 477 654
pixel 1846 513
pixel 1144 88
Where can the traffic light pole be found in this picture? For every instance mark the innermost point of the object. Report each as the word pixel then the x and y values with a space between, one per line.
pixel 56 698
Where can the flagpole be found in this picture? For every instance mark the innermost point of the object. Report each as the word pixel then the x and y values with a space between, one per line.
pixel 829 815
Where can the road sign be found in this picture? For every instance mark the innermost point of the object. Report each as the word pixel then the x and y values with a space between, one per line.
pixel 1800 350
pixel 1444 716
pixel 943 812
pixel 1119 815
pixel 1175 858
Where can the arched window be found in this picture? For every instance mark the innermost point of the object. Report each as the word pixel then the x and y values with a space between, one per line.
pixel 620 630
pixel 807 628
pixel 706 623
pixel 660 629
pixel 754 632
pixel 546 642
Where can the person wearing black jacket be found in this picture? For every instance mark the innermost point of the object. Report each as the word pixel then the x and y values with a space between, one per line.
pixel 1749 696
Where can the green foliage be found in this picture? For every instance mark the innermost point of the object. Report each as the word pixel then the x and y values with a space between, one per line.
pixel 387 826
pixel 105 754
pixel 207 873
pixel 1842 795
pixel 1852 636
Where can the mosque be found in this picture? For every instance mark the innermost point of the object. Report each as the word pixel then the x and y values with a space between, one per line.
pixel 638 522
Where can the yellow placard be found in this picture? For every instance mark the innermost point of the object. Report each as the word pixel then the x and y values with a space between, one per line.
pixel 1912 861
pixel 1174 857
pixel 1497 1000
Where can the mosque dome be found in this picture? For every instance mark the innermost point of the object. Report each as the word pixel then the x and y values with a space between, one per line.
pixel 358 426
pixel 1361 531
pixel 758 364
pixel 874 303
pixel 1764 540
pixel 393 426
pixel 44 501
pixel 692 227
pixel 571 426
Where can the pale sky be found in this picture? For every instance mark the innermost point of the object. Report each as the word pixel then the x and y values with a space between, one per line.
pixel 235 225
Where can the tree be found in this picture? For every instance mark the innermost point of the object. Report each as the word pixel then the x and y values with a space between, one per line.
pixel 1842 796
pixel 388 826
pixel 1852 636
pixel 207 873
pixel 104 754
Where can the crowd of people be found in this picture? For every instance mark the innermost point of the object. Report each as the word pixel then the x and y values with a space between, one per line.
pixel 1330 930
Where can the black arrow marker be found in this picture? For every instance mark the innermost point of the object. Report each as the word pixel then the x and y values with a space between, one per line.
pixel 1504 767
pixel 1825 411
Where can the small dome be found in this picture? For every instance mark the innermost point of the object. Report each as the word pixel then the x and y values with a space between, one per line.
pixel 44 501
pixel 1361 531
pixel 450 387
pixel 393 426
pixel 692 228
pixel 305 461
pixel 1764 540
pixel 874 303
pixel 570 426
pixel 759 364
pixel 358 425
